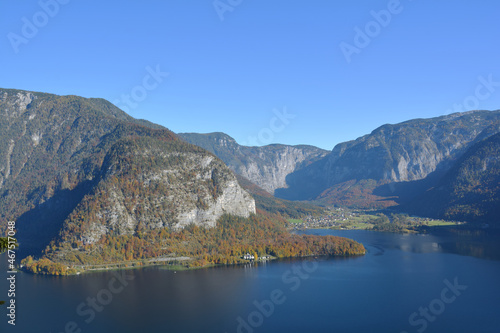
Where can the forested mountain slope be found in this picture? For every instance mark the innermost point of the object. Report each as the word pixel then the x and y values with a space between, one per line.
pixel 470 190
pixel 71 163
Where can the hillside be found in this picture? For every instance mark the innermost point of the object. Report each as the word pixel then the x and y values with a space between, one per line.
pixel 266 166
pixel 88 185
pixel 393 163
pixel 82 168
pixel 470 190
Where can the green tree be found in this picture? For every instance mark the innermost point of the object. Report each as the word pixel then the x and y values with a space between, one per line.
pixel 3 244
pixel 3 247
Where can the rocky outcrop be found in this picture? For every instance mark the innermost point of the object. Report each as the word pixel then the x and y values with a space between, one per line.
pixel 266 166
pixel 183 187
pixel 233 201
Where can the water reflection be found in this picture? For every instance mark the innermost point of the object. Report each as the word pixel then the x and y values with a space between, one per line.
pixel 372 293
pixel 477 243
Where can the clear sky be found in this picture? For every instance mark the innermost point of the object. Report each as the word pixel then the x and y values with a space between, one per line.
pixel 313 72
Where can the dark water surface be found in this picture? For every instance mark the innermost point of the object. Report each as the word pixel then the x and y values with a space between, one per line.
pixel 444 283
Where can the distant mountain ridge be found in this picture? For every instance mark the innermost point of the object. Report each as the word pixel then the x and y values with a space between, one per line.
pixel 393 165
pixel 266 166
pixel 408 152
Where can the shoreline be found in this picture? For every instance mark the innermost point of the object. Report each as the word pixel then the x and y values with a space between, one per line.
pixel 421 230
pixel 180 267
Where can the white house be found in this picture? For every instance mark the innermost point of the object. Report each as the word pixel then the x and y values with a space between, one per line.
pixel 248 256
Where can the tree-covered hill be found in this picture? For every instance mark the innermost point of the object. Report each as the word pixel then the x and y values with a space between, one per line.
pixel 470 190
pixel 57 151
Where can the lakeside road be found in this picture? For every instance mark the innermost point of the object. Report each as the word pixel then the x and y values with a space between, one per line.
pixel 130 264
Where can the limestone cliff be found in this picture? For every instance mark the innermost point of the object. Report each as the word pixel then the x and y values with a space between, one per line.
pixel 149 184
pixel 266 166
pixel 411 150
pixel 397 154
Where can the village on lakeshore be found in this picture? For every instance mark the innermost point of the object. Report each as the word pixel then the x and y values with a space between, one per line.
pixel 347 219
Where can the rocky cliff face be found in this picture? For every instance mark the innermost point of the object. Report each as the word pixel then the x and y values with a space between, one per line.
pixel 411 150
pixel 266 166
pixel 405 152
pixel 85 167
pixel 270 169
pixel 149 184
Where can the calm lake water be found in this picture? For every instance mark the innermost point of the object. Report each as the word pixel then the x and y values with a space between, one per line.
pixel 444 283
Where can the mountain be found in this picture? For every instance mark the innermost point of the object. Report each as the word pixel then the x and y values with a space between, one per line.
pixel 89 187
pixel 393 163
pixel 470 190
pixel 390 166
pixel 77 168
pixel 266 166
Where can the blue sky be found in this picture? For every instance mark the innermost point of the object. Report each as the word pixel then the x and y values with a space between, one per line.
pixel 296 72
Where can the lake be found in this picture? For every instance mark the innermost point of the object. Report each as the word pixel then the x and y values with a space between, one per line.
pixel 405 283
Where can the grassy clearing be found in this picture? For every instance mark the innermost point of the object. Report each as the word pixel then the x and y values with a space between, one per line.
pixel 440 223
pixel 359 225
